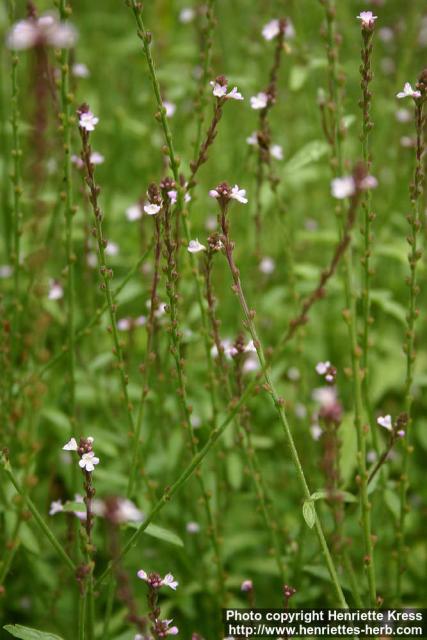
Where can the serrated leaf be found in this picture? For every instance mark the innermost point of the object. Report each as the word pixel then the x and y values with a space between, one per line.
pixel 26 633
pixel 309 513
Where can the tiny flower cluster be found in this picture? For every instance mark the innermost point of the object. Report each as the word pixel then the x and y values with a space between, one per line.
pixel 347 186
pixel 84 449
pixel 220 89
pixel 394 429
pixel 155 581
pixel 224 193
pixel 327 370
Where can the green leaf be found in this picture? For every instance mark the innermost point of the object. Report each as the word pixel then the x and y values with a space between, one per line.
pixel 26 633
pixel 234 470
pixel 323 494
pixel 311 152
pixel 160 533
pixel 74 506
pixel 309 513
pixel 392 501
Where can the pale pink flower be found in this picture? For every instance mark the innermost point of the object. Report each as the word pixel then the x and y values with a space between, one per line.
pixel 71 445
pixel 220 91
pixel 134 212
pixel 276 151
pixel 56 292
pixel 155 581
pixel 80 70
pixel 170 108
pixel 267 265
pixel 44 31
pixel 322 367
pixel 386 422
pixel 408 92
pixel 260 101
pixel 88 121
pixel 151 209
pixel 367 19
pixel 272 29
pixel 344 187
pixel 239 194
pixel 195 246
pixel 247 585
pixel 186 15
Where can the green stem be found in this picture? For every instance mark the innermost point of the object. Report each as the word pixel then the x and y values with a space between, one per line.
pixel 414 256
pixel 67 196
pixel 279 405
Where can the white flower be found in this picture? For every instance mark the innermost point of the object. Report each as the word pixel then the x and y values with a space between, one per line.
pixel 220 91
pixel 71 445
pixel 367 19
pixel 124 324
pixel 272 29
pixel 408 92
pixel 169 581
pixel 252 140
pixel 155 581
pixel 88 121
pixel 234 94
pixel 315 431
pixel 46 30
pixel 186 15
pixel 259 101
pixel 195 246
pixel 151 209
pixel 77 161
pixel 23 35
pixel 55 507
pixel 294 374
pixel 250 347
pixel 344 187
pixel 128 512
pixel 238 194
pixel 134 212
pixel 276 151
pixel 322 367
pixel 56 292
pixel 170 108
pixel 112 249
pixel 403 115
pixel 88 461
pixel 267 265
pixel 325 396
pixel 96 158
pixel 168 630
pixel 368 182
pixel 192 527
pixel 251 363
pixel 5 271
pixel 386 422
pixel 80 70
